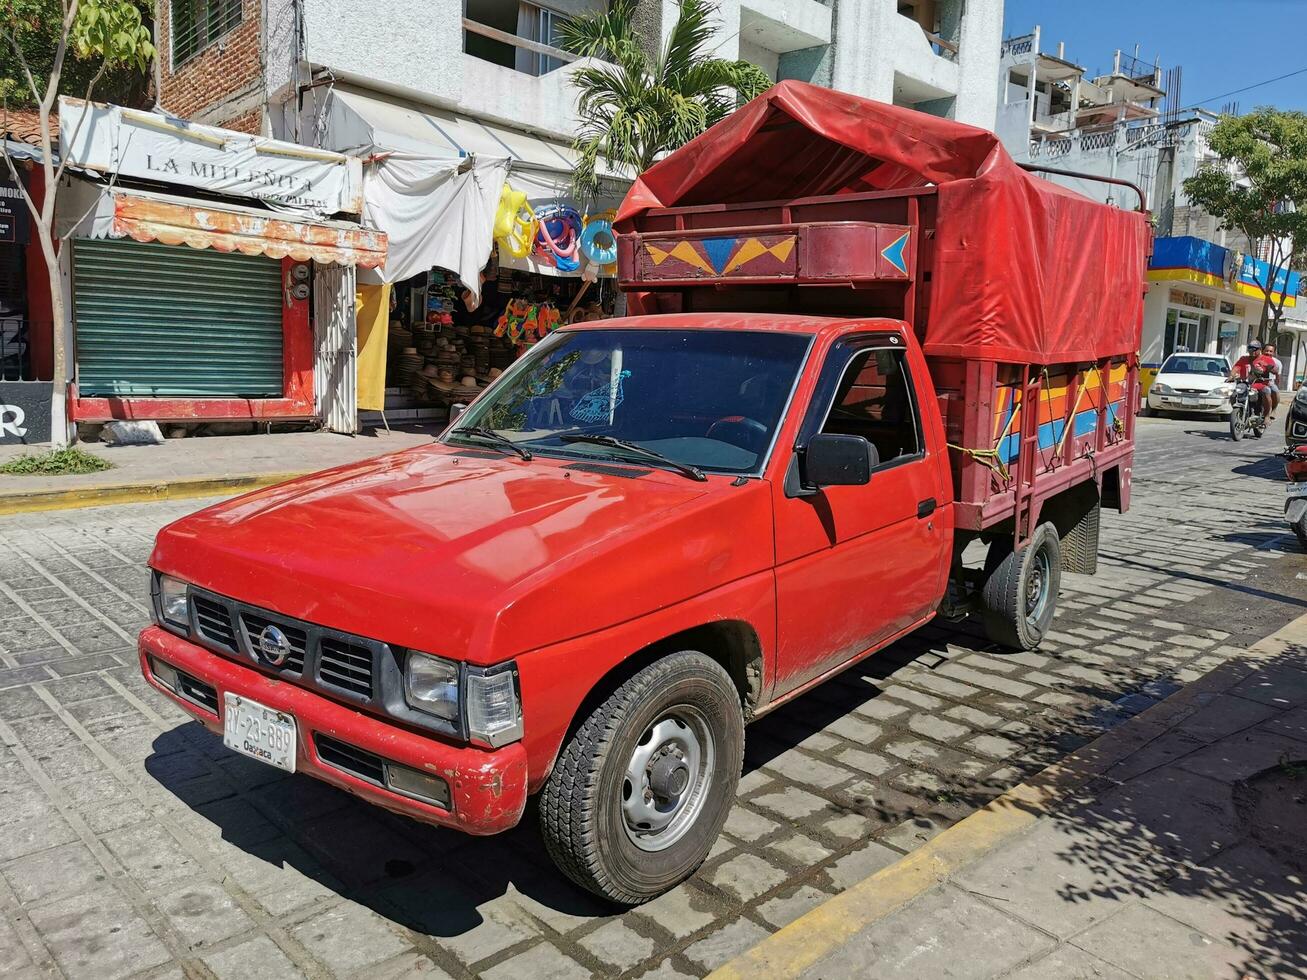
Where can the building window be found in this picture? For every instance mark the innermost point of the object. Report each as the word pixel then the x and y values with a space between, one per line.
pixel 196 24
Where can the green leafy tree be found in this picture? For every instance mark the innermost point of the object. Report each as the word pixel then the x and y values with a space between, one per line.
pixel 1258 186
pixel 90 39
pixel 636 104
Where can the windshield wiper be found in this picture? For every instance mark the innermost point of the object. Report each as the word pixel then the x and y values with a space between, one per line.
pixel 490 435
pixel 685 469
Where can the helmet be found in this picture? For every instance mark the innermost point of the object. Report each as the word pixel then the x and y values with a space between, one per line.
pixel 1254 345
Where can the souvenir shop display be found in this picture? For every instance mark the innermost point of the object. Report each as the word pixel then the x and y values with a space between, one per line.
pixel 441 352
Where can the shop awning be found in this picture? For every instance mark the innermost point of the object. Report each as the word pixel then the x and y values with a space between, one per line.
pixel 148 217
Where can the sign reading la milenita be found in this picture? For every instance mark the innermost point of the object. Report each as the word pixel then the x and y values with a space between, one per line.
pixel 153 146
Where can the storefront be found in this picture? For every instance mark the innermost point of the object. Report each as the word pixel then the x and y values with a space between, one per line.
pixel 194 271
pixel 488 250
pixel 1203 298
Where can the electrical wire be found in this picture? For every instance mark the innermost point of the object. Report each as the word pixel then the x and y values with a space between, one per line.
pixel 1277 78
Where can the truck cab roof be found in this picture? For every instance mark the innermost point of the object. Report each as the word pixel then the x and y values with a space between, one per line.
pixel 770 322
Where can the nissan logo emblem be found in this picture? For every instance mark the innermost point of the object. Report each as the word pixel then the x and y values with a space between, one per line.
pixel 273 646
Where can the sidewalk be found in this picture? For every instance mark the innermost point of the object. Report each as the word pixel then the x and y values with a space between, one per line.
pixel 1173 846
pixel 197 466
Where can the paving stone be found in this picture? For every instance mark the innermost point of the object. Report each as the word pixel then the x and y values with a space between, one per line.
pixel 937 728
pixel 802 850
pixel 882 710
pixel 98 935
pixel 746 876
pixel 915 698
pixel 994 746
pixel 540 962
pixel 725 944
pixel 682 912
pixel 791 802
pixel 349 938
pixel 53 874
pixel 258 959
pixel 203 913
pixel 804 769
pixel 980 678
pixel 855 729
pixel 34 834
pixel 743 824
pixel 868 762
pixel 937 684
pixel 974 716
pixel 864 862
pixel 1069 963
pixel 785 908
pixel 1147 943
pixel 618 944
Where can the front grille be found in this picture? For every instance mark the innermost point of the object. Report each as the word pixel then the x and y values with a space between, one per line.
pixel 192 689
pixel 298 638
pixel 348 758
pixel 213 622
pixel 345 665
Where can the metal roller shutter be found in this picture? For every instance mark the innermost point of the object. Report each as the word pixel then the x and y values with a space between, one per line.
pixel 173 320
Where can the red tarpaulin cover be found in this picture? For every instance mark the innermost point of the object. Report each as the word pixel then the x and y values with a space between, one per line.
pixel 1025 270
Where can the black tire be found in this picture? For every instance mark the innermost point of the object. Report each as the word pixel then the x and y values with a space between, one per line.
pixel 1236 425
pixel 582 814
pixel 1010 578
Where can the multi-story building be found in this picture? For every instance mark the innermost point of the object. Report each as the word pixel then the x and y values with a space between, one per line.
pixel 259 64
pixel 1120 124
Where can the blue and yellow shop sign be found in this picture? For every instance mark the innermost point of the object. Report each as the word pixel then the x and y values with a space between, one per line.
pixel 1189 259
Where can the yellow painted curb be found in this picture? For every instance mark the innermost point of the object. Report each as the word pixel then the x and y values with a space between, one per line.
pixel 813 936
pixel 135 493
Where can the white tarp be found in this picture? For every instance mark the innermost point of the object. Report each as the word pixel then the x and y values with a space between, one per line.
pixel 151 146
pixel 436 211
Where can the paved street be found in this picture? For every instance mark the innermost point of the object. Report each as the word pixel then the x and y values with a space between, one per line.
pixel 135 843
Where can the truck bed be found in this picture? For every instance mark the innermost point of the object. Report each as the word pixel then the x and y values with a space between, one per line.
pixel 873 254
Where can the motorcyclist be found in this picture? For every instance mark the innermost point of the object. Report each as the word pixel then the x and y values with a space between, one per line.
pixel 1274 383
pixel 1256 368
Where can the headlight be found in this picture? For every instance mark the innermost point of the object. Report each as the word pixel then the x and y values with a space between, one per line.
pixel 1223 390
pixel 1301 395
pixel 494 714
pixel 431 685
pixel 171 597
pixel 1161 389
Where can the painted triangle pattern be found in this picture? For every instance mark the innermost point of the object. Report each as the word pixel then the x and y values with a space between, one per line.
pixel 721 256
pixel 893 253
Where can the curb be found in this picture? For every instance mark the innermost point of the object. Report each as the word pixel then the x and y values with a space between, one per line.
pixel 810 938
pixel 135 493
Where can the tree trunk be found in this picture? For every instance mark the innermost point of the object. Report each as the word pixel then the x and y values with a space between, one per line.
pixel 59 427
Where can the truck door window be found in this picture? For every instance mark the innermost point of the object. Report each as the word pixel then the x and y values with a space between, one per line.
pixel 874 400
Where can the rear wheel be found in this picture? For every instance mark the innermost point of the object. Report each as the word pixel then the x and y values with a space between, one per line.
pixel 641 790
pixel 1020 593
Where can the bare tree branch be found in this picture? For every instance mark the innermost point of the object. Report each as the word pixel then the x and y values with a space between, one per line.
pixel 81 119
pixel 22 62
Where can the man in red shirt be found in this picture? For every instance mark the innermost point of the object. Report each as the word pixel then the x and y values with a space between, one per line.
pixel 1256 367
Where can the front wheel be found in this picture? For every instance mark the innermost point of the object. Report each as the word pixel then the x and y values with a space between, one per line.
pixel 1020 593
pixel 640 792
pixel 1236 425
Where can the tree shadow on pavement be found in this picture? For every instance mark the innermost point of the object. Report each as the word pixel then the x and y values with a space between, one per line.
pixel 1200 828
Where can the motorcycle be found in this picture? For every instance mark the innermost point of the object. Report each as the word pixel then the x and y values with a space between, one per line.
pixel 1246 416
pixel 1295 502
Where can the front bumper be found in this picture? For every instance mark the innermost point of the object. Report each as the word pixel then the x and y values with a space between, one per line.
pixel 1213 404
pixel 487 788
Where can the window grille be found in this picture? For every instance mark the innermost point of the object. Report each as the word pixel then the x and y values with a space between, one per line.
pixel 196 24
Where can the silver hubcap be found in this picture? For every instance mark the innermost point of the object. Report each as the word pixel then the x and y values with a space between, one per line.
pixel 667 779
pixel 1037 588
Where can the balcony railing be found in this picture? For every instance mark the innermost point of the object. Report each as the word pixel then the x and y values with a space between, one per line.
pixel 520 43
pixel 1018 45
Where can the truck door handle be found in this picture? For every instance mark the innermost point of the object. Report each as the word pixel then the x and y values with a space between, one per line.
pixel 926 507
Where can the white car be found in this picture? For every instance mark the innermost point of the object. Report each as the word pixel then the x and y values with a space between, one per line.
pixel 1192 383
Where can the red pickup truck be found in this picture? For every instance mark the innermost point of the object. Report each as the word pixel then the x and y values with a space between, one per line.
pixel 654 529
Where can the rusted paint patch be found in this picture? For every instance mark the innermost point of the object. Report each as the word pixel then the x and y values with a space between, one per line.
pixel 148 220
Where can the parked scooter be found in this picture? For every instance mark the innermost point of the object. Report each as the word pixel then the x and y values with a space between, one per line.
pixel 1246 418
pixel 1295 502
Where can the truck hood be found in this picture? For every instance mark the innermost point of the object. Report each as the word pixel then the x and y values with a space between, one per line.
pixel 472 554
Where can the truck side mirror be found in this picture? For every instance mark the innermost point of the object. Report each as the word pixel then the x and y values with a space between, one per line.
pixel 838 461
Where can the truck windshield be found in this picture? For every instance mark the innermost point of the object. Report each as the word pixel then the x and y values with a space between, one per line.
pixel 710 399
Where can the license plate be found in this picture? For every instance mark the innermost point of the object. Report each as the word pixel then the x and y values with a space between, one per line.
pixel 1190 401
pixel 1297 489
pixel 258 731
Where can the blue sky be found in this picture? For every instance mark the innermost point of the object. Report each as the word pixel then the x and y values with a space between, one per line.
pixel 1222 44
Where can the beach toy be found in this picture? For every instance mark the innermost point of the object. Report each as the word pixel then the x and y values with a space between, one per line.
pixel 598 243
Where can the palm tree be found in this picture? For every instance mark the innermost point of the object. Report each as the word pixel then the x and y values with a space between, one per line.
pixel 635 107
